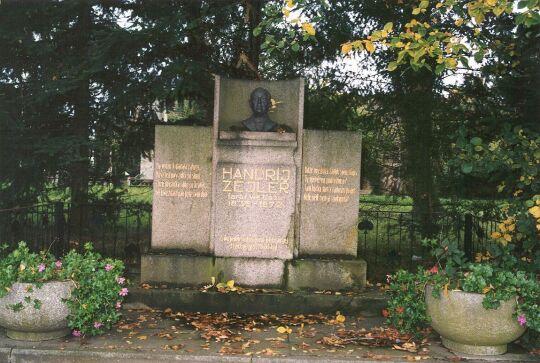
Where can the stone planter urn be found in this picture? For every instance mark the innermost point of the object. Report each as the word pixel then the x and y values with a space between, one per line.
pixel 466 326
pixel 47 322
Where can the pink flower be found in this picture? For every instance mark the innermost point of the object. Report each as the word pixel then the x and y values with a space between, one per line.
pixel 123 292
pixel 41 267
pixel 98 325
pixel 434 269
pixel 76 333
pixel 108 267
pixel 118 305
pixel 121 280
pixel 58 264
pixel 522 320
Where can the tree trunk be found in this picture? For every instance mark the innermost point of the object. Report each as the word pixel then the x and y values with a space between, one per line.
pixel 415 102
pixel 255 17
pixel 81 125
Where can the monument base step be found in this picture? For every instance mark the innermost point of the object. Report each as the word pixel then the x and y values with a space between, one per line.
pixel 368 303
pixel 180 270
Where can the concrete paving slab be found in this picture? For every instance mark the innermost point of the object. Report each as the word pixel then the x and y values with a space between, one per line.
pixel 56 356
pixel 146 336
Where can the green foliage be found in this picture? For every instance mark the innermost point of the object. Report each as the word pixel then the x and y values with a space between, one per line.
pixel 99 285
pixel 512 161
pixel 16 307
pixel 497 277
pixel 406 309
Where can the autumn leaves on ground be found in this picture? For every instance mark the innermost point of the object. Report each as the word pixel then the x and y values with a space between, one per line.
pixel 265 334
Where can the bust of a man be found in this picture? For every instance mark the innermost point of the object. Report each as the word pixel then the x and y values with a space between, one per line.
pixel 259 102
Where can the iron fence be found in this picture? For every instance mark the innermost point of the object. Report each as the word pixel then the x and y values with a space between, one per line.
pixel 37 225
pixel 115 230
pixel 387 239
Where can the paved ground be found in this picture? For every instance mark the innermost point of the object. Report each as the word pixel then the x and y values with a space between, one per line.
pixel 146 335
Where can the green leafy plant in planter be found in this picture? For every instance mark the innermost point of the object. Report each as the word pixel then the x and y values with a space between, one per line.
pixel 494 275
pixel 98 286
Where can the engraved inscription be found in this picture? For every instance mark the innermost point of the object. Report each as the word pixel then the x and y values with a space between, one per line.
pixel 255 243
pixel 328 185
pixel 179 180
pixel 250 187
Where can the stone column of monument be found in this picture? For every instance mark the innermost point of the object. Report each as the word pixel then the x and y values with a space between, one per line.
pixel 256 198
pixel 257 160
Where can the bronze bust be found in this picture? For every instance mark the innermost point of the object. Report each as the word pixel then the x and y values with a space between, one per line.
pixel 259 102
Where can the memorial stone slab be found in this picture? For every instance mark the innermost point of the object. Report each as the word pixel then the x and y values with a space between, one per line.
pixel 182 188
pixel 330 193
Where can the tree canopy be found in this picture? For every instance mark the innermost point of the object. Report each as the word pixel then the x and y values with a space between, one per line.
pixel 81 81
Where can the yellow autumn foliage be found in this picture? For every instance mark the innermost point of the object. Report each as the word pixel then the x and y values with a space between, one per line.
pixel 308 28
pixel 346 48
pixel 535 211
pixel 369 46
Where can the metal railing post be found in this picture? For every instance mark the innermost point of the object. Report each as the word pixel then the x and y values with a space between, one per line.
pixel 467 236
pixel 59 226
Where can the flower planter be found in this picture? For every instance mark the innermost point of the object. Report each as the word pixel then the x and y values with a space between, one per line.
pixel 466 326
pixel 47 322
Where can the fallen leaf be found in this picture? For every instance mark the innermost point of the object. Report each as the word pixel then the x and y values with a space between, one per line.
pixel 284 330
pixel 267 351
pixel 277 344
pixel 415 358
pixel 379 357
pixel 165 335
pixel 231 350
pixel 172 347
pixel 408 347
pixel 332 341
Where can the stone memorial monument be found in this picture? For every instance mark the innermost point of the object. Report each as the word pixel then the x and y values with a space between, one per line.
pixel 256 198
